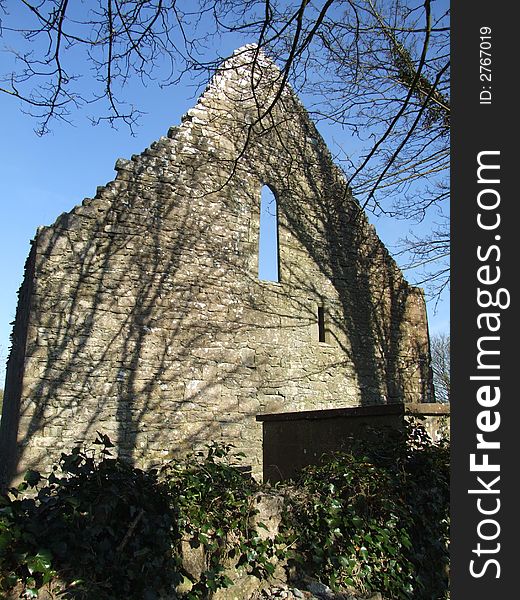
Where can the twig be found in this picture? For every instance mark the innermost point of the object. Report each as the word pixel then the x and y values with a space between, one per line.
pixel 131 528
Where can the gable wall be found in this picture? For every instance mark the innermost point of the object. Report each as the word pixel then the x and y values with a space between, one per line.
pixel 147 320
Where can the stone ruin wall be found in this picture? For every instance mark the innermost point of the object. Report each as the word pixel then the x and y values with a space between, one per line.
pixel 142 315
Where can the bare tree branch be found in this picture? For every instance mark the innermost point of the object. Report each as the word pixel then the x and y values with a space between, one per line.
pixel 440 354
pixel 378 69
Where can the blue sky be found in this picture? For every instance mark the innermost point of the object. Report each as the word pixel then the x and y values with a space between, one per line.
pixel 41 177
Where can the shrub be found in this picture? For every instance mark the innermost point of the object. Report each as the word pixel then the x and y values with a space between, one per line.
pixel 106 528
pixel 375 516
pixel 216 501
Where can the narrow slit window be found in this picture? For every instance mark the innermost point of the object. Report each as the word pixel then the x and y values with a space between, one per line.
pixel 268 258
pixel 321 323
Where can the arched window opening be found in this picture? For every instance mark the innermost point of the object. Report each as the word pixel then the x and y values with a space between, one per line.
pixel 268 258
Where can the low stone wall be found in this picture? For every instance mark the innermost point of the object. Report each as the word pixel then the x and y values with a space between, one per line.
pixel 269 509
pixel 294 440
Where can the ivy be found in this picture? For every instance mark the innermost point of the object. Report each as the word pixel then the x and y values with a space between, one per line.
pixel 376 516
pixel 216 504
pixel 106 527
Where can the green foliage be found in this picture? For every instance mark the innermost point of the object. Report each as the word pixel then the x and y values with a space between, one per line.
pixel 106 528
pixel 376 516
pixel 216 506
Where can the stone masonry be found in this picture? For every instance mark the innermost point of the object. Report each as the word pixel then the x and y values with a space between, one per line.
pixel 142 316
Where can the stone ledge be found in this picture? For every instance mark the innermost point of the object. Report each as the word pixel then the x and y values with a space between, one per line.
pixel 426 409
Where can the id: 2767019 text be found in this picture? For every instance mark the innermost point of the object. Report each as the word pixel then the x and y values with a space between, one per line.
pixel 485 63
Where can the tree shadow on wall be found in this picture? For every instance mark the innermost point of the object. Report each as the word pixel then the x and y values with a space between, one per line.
pixel 143 315
pixel 120 342
pixel 373 320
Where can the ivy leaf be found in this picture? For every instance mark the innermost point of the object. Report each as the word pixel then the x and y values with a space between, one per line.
pixel 357 521
pixel 41 562
pixel 32 477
